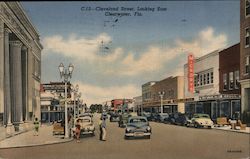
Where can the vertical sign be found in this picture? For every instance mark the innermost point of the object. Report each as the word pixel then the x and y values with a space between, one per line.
pixel 191 73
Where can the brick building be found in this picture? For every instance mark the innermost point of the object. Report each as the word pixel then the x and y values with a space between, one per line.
pixel 245 55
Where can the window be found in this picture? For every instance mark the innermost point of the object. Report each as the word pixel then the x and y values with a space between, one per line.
pixel 247 65
pixel 201 80
pixel 236 79
pixel 247 37
pixel 247 7
pixel 224 81
pixel 231 80
pixel 195 81
pixel 212 77
pixel 208 80
pixel 204 79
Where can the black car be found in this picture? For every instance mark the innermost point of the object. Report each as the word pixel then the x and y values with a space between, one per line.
pixel 177 118
pixel 114 117
pixel 161 117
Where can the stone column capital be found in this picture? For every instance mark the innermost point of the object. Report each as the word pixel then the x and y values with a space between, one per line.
pixel 16 43
pixel 7 31
pixel 24 48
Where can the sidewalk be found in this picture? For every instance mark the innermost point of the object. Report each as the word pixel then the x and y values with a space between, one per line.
pixel 28 139
pixel 228 128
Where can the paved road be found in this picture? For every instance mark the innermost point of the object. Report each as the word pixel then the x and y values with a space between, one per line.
pixel 167 142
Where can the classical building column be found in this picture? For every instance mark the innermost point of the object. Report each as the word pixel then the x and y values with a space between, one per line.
pixel 16 79
pixel 10 128
pixel 25 83
pixel 2 106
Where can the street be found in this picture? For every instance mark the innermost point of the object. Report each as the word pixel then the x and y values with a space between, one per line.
pixel 167 141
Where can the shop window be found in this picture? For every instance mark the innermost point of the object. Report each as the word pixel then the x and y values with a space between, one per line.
pixel 224 81
pixel 236 79
pixel 247 9
pixel 225 109
pixel 231 80
pixel 236 109
pixel 199 109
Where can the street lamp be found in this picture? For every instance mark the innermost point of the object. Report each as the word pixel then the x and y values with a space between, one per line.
pixel 66 74
pixel 161 94
pixel 74 90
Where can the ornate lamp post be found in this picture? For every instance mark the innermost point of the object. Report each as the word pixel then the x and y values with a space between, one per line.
pixel 161 94
pixel 66 74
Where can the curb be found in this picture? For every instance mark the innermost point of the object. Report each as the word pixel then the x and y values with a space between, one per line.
pixel 233 131
pixel 33 145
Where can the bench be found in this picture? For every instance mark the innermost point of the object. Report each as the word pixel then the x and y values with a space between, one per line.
pixel 221 121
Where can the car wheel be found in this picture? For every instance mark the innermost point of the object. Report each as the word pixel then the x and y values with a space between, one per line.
pixel 196 125
pixel 126 137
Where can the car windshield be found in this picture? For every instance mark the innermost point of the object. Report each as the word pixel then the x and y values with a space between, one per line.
pixel 85 120
pixel 138 120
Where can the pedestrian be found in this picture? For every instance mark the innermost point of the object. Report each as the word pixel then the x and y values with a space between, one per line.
pixel 100 128
pixel 78 130
pixel 103 128
pixel 36 127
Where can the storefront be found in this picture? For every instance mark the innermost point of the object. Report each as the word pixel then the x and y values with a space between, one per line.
pixel 216 106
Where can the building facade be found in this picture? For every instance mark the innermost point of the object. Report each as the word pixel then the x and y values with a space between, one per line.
pixel 146 91
pixel 229 80
pixel 245 56
pixel 173 92
pixel 20 68
pixel 206 85
pixel 52 101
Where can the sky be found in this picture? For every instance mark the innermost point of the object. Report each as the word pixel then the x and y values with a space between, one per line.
pixel 115 51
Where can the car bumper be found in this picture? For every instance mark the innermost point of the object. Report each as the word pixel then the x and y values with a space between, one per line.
pixel 136 134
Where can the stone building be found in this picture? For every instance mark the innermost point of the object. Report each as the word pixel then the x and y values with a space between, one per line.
pixel 20 68
pixel 245 55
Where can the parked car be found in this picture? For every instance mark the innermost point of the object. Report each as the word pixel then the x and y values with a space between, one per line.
pixel 86 114
pixel 200 120
pixel 114 117
pixel 177 118
pixel 161 117
pixel 148 115
pixel 58 127
pixel 86 125
pixel 138 126
pixel 154 116
pixel 123 119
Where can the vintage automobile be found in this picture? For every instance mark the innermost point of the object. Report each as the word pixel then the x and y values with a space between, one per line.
pixel 138 126
pixel 86 125
pixel 123 119
pixel 161 117
pixel 114 117
pixel 200 120
pixel 86 114
pixel 177 119
pixel 58 127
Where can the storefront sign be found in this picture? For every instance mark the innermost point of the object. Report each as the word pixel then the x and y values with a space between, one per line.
pixel 191 73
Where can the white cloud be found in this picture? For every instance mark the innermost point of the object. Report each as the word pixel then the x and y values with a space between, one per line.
pixel 92 94
pixel 122 63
